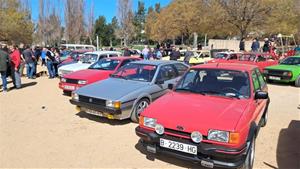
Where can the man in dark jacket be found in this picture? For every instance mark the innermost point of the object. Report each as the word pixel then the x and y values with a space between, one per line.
pixel 242 44
pixel 29 61
pixel 175 54
pixel 4 61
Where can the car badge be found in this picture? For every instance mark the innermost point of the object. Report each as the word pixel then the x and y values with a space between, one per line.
pixel 180 128
pixel 90 100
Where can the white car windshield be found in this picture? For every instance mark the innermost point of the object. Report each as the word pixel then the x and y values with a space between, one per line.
pixel 89 58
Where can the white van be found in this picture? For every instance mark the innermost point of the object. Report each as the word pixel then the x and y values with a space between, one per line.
pixel 78 47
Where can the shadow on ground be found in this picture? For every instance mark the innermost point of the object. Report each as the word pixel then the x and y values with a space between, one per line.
pixel 102 119
pixel 168 159
pixel 288 148
pixel 24 85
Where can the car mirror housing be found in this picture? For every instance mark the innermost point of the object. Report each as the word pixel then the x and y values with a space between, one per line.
pixel 261 95
pixel 170 86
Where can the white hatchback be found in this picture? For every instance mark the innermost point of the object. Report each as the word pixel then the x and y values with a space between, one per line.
pixel 86 60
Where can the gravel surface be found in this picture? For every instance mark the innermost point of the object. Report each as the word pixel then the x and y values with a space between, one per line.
pixel 39 128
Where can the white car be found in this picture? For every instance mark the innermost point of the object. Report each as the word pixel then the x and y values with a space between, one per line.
pixel 86 60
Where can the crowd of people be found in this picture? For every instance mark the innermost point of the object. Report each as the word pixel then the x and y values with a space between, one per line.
pixel 13 60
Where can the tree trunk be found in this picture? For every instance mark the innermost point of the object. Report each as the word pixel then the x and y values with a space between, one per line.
pixel 195 40
pixel 110 42
pixel 173 41
pixel 182 43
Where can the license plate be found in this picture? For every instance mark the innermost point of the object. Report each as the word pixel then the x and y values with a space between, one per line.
pixel 93 112
pixel 174 145
pixel 69 87
pixel 274 78
pixel 207 164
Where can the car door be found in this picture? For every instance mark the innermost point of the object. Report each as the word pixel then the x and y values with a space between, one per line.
pixel 258 85
pixel 166 74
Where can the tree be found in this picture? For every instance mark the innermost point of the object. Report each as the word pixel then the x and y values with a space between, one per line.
pixel 125 18
pixel 101 30
pixel 139 22
pixel 246 14
pixel 74 20
pixel 15 26
pixel 90 25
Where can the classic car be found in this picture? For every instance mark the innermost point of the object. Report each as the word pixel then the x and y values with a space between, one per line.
pixel 288 71
pixel 211 117
pixel 227 55
pixel 85 61
pixel 100 70
pixel 261 60
pixel 199 57
pixel 72 57
pixel 128 91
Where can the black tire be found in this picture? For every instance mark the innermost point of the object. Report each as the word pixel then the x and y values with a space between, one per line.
pixel 138 109
pixel 297 82
pixel 250 156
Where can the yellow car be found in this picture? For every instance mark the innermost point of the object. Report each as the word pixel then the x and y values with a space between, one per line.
pixel 199 57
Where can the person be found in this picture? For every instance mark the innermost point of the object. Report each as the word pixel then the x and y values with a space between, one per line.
pixel 266 47
pixel 242 45
pixel 158 54
pixel 43 56
pixel 126 52
pixel 4 61
pixel 15 58
pixel 29 62
pixel 49 63
pixel 199 46
pixel 145 53
pixel 56 61
pixel 175 54
pixel 188 55
pixel 255 45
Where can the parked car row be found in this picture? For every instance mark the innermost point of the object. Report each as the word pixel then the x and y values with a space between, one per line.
pixel 210 113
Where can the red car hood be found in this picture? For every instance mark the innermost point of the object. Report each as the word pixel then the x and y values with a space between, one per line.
pixel 195 112
pixel 91 75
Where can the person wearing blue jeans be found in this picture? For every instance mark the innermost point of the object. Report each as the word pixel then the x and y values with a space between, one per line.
pixel 4 61
pixel 30 67
pixel 51 70
pixel 4 80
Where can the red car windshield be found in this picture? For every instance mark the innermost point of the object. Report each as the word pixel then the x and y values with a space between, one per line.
pixel 137 72
pixel 105 64
pixel 229 83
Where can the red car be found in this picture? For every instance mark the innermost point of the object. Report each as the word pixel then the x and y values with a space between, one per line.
pixel 261 60
pixel 100 70
pixel 212 116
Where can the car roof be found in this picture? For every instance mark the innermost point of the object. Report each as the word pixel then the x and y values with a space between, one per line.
pixel 157 62
pixel 122 58
pixel 255 53
pixel 103 52
pixel 230 66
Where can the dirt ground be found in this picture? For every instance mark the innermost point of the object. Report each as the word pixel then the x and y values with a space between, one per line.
pixel 39 128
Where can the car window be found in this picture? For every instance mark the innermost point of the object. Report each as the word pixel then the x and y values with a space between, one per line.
pixel 260 78
pixel 181 69
pixel 233 56
pixel 102 56
pixel 255 81
pixel 105 64
pixel 229 83
pixel 167 72
pixel 136 72
pixel 113 55
pixel 291 61
pixel 261 58
pixel 125 62
pixel 88 58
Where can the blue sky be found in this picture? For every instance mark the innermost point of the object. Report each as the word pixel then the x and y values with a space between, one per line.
pixel 108 8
